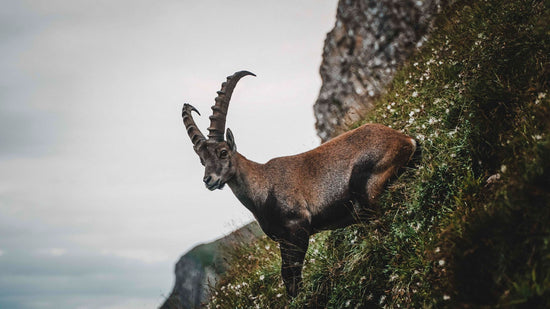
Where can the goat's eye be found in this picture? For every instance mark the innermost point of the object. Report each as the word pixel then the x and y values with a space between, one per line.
pixel 223 154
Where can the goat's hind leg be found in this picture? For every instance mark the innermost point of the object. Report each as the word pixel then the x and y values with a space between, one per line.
pixel 377 181
pixel 376 184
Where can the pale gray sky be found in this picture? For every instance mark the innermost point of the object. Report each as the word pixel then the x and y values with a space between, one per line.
pixel 100 190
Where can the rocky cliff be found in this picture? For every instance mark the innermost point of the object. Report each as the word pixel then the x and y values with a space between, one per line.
pixel 201 267
pixel 370 40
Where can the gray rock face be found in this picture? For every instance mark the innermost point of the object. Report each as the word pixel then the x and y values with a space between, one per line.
pixel 370 40
pixel 202 266
pixel 190 280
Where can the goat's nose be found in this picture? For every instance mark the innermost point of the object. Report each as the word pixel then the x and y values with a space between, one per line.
pixel 207 179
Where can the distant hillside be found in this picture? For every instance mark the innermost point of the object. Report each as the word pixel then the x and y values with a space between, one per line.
pixel 467 224
pixel 202 266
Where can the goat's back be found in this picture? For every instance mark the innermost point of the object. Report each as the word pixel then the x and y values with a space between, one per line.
pixel 324 174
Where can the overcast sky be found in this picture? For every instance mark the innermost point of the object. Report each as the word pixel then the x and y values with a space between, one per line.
pixel 100 190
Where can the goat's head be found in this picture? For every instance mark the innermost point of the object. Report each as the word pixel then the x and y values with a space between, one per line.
pixel 216 154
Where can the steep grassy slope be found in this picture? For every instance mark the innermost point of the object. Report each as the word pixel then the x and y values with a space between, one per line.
pixel 467 224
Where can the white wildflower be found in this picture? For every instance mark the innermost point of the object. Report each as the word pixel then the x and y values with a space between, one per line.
pixel 437 250
pixel 279 295
pixel 503 168
pixel 441 262
pixel 451 133
pixel 262 277
pixel 446 297
pixel 411 113
pixel 414 94
pixel 267 247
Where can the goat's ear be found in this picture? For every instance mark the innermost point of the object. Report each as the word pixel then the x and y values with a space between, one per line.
pixel 230 139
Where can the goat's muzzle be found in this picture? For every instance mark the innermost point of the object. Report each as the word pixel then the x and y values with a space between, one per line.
pixel 213 184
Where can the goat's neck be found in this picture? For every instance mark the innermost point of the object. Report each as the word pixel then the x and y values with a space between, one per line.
pixel 249 184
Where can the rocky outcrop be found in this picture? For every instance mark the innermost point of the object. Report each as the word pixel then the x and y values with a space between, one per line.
pixel 202 266
pixel 370 40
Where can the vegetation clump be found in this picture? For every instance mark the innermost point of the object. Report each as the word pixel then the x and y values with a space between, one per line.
pixel 467 223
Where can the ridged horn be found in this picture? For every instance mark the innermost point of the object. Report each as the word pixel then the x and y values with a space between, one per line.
pixel 219 109
pixel 192 129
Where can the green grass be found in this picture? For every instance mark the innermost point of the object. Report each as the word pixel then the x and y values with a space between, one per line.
pixel 476 97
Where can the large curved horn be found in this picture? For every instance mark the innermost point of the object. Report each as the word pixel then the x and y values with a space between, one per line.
pixel 219 109
pixel 192 129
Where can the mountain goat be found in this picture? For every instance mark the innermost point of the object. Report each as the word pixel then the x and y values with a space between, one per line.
pixel 296 196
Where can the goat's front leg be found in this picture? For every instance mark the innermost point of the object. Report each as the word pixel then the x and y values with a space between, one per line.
pixel 293 251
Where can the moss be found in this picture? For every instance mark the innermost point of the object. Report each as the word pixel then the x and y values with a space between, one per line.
pixel 467 224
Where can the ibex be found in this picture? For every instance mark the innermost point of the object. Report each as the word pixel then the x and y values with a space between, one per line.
pixel 296 196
